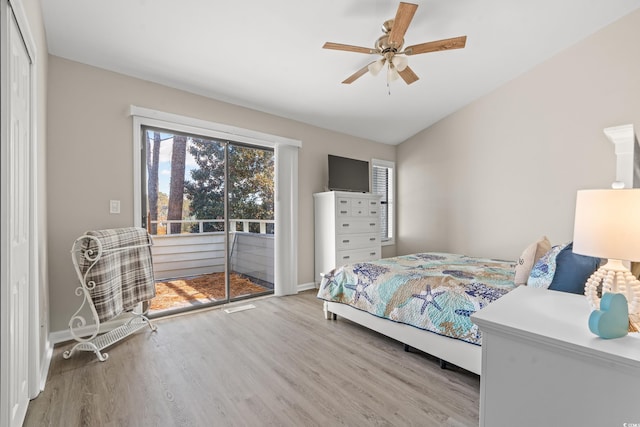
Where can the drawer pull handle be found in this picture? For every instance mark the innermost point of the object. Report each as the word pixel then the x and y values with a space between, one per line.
pixel 343 212
pixel 345 241
pixel 343 201
pixel 372 253
pixel 373 224
pixel 345 225
pixel 373 239
pixel 374 213
pixel 346 257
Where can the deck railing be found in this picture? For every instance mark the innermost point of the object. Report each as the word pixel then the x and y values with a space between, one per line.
pixel 233 224
pixel 193 254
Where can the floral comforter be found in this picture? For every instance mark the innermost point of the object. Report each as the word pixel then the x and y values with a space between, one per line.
pixel 433 291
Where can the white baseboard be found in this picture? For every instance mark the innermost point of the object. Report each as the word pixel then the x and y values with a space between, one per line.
pixel 307 286
pixel 58 337
pixel 45 363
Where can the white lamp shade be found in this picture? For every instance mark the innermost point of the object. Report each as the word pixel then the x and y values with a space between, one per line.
pixel 607 224
pixel 400 62
pixel 375 67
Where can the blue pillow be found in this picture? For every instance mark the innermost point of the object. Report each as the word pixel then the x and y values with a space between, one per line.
pixel 544 269
pixel 572 271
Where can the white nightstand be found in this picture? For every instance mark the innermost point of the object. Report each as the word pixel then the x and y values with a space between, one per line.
pixel 541 366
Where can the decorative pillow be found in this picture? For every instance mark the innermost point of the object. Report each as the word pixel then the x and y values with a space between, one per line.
pixel 527 260
pixel 544 269
pixel 572 271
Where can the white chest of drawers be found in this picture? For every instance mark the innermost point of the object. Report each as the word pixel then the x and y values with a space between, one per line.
pixel 347 229
pixel 541 366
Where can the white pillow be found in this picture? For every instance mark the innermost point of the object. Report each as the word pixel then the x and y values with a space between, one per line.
pixel 527 260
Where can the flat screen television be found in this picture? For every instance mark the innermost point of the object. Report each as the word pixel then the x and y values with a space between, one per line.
pixel 348 174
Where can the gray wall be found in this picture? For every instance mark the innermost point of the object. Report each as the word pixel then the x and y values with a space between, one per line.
pixel 90 150
pixel 504 170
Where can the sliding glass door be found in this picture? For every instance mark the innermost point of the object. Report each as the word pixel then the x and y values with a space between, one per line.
pixel 209 205
pixel 250 199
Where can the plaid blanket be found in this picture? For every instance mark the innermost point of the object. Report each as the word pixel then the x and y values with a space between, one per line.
pixel 123 275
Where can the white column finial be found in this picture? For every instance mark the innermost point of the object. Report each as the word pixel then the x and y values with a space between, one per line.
pixel 623 137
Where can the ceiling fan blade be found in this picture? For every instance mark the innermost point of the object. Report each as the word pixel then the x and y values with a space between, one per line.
pixel 446 44
pixel 408 75
pixel 403 18
pixel 353 77
pixel 347 47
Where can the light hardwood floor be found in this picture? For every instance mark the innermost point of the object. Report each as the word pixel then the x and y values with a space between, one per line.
pixel 280 364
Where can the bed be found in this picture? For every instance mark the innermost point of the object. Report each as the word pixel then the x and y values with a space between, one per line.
pixel 404 296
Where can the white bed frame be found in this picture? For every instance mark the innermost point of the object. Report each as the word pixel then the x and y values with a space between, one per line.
pixel 448 350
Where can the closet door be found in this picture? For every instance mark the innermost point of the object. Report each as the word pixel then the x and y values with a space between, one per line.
pixel 14 354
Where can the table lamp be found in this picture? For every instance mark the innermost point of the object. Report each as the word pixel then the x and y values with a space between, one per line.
pixel 607 225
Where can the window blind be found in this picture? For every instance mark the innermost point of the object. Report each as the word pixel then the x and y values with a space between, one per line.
pixel 380 186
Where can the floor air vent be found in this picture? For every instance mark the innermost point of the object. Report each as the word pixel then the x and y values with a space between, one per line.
pixel 239 308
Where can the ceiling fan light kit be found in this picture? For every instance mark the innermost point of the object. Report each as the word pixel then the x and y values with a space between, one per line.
pixel 400 62
pixel 375 67
pixel 389 47
pixel 392 74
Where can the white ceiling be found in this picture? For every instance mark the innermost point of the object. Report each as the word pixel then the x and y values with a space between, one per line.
pixel 267 55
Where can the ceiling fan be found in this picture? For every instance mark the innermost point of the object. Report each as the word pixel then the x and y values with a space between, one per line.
pixel 389 47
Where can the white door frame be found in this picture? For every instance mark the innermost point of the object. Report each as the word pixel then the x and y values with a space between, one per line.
pixel 286 180
pixel 10 9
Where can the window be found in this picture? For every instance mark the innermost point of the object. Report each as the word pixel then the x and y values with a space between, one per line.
pixel 383 184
